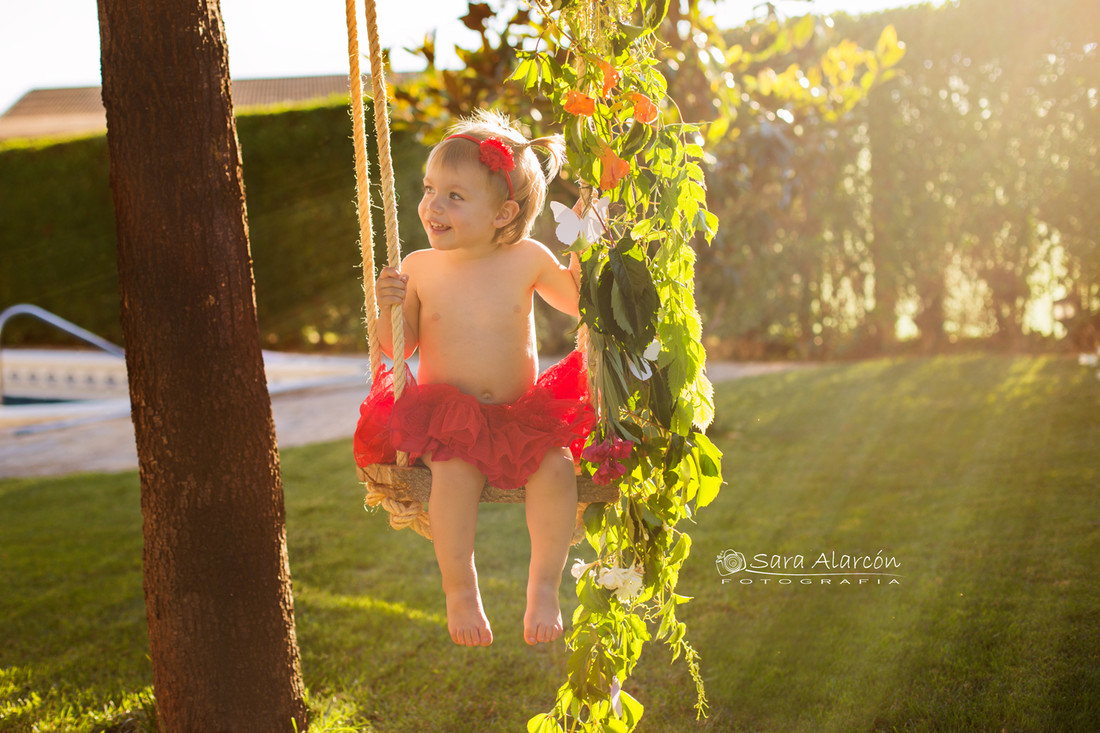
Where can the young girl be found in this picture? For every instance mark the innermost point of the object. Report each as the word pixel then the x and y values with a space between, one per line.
pixel 477 409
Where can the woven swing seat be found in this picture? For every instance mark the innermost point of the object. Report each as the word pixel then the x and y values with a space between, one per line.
pixel 414 483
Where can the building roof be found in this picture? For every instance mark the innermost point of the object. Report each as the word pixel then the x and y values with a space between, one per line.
pixel 78 110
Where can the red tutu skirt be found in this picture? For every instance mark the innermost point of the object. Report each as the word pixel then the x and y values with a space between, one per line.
pixel 505 442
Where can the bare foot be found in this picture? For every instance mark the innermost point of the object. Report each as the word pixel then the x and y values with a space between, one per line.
pixel 466 620
pixel 542 622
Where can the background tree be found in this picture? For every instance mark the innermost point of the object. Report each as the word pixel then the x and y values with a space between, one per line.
pixel 787 276
pixel 979 150
pixel 217 580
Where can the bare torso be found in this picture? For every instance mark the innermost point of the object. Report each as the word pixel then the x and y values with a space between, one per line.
pixel 475 320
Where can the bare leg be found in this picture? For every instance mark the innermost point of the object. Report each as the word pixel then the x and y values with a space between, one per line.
pixel 551 516
pixel 456 487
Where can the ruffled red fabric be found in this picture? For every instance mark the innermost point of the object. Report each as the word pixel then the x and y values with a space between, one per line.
pixel 505 442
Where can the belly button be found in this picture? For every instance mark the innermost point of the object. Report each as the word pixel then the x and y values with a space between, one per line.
pixel 486 396
pixel 435 316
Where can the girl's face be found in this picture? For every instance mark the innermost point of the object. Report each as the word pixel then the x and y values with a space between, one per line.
pixel 459 210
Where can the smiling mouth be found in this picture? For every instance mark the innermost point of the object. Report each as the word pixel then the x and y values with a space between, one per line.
pixel 437 228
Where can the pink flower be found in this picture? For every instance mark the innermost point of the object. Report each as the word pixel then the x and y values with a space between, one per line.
pixel 621 449
pixel 614 447
pixel 597 452
pixel 608 454
pixel 608 472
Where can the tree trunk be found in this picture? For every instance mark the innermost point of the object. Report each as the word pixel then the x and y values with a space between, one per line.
pixel 883 318
pixel 217 580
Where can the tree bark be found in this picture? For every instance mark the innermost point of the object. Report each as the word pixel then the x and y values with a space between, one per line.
pixel 883 317
pixel 217 579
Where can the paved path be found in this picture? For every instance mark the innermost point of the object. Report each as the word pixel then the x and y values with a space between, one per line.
pixel 105 442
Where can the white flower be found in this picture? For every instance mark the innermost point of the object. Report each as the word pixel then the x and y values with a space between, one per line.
pixel 616 696
pixel 1088 360
pixel 579 567
pixel 626 582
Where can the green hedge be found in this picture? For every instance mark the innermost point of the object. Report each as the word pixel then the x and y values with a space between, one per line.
pixel 57 232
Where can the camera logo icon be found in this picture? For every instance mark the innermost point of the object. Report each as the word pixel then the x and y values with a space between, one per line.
pixel 729 562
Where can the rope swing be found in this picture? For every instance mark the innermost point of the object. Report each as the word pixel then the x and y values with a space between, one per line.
pixel 400 489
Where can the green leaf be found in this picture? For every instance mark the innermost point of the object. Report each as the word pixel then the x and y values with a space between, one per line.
pixel 577 667
pixel 626 36
pixel 531 78
pixel 522 69
pixel 655 13
pixel 888 48
pixel 661 400
pixel 638 627
pixel 867 80
pixel 641 230
pixel 590 672
pixel 620 311
pixel 638 137
pixel 632 710
pixel 605 320
pixel 594 515
pixel 591 267
pixel 636 311
pixel 709 460
pixel 680 550
pixel 593 597
pixel 718 129
pixel 803 30
pixel 612 725
pixel 543 723
pixel 707 223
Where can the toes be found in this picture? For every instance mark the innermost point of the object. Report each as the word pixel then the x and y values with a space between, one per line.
pixel 486 636
pixel 472 636
pixel 541 634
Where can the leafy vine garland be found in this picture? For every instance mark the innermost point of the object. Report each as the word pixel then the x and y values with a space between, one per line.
pixel 647 204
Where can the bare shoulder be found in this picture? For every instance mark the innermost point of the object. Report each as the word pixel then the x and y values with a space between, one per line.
pixel 418 259
pixel 536 251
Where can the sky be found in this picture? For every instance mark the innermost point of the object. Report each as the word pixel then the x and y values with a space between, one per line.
pixel 55 43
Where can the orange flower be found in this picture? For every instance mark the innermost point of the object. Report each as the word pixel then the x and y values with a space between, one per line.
pixel 614 169
pixel 578 103
pixel 610 77
pixel 645 110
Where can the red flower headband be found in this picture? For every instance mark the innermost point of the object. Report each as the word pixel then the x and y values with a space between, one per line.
pixel 496 156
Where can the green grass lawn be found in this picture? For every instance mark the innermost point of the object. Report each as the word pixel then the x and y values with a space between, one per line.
pixel 979 474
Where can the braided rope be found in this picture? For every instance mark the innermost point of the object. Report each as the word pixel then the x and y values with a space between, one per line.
pixel 402 513
pixel 362 188
pixel 389 200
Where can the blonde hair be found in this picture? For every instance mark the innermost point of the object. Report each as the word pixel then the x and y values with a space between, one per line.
pixel 529 179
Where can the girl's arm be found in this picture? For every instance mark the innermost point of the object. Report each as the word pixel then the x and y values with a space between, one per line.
pixel 393 288
pixel 558 285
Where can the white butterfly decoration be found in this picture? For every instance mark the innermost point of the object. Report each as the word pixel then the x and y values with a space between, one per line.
pixel 590 226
